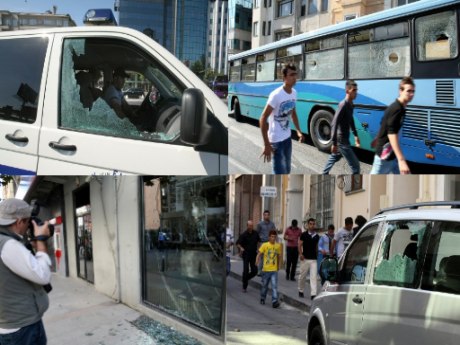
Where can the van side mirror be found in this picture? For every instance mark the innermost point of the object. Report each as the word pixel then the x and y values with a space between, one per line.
pixel 329 270
pixel 194 129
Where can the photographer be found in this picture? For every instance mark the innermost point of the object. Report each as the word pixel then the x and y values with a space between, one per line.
pixel 23 300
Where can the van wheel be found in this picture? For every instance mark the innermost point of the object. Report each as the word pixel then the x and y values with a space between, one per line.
pixel 316 337
pixel 321 130
pixel 237 110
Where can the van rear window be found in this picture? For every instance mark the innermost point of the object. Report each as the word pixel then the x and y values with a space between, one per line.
pixel 21 68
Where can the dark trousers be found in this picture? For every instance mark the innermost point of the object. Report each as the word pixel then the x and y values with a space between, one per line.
pixel 292 254
pixel 30 335
pixel 249 262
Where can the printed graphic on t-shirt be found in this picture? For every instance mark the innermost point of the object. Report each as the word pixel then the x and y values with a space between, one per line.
pixel 347 239
pixel 284 114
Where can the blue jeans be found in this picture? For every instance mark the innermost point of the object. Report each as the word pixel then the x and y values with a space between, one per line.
pixel 30 335
pixel 282 152
pixel 346 151
pixel 228 265
pixel 380 166
pixel 268 277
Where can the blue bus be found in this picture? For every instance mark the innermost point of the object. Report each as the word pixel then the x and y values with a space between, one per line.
pixel 420 40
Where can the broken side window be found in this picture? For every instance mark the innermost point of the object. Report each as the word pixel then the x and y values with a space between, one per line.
pixel 401 253
pixel 436 36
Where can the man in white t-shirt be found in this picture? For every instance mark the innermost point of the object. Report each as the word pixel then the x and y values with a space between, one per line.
pixel 276 132
pixel 343 237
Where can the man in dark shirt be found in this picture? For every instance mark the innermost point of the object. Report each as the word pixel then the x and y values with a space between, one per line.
pixel 388 154
pixel 247 245
pixel 308 250
pixel 341 125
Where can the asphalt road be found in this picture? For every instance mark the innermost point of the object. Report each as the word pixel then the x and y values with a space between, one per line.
pixel 250 323
pixel 246 145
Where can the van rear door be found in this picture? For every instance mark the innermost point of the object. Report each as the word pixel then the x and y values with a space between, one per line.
pixel 23 70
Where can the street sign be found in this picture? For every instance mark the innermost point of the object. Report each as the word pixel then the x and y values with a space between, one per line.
pixel 268 192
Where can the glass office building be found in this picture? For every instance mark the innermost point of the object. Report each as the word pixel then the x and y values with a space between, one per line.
pixel 178 25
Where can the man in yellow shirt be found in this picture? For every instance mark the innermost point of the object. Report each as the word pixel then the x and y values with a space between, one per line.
pixel 272 256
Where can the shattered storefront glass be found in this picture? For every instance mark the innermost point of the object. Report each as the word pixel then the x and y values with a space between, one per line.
pixel 183 261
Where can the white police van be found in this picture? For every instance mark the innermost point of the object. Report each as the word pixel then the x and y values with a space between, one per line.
pixel 54 118
pixel 398 281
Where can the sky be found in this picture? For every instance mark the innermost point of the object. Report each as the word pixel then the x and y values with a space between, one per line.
pixel 76 8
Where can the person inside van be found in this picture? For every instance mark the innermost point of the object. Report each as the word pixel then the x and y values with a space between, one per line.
pixel 114 96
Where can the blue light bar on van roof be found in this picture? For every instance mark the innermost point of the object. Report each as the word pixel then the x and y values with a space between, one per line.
pixel 100 16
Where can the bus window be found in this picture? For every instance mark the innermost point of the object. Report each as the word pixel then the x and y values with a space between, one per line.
pixel 266 67
pixel 382 52
pixel 324 59
pixel 436 36
pixel 248 69
pixel 289 55
pixel 235 70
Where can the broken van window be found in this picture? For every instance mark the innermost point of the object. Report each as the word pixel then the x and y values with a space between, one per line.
pixel 399 257
pixel 87 71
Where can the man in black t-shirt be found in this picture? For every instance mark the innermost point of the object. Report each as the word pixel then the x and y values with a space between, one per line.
pixel 308 250
pixel 388 154
pixel 247 245
pixel 342 123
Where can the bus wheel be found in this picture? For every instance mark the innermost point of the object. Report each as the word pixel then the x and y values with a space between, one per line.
pixel 321 130
pixel 316 337
pixel 237 110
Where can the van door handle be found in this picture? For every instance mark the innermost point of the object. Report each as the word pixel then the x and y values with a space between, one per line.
pixel 11 137
pixel 357 299
pixel 57 146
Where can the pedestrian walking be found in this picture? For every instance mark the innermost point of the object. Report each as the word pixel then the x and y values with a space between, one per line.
pixel 276 133
pixel 324 246
pixel 389 158
pixel 291 236
pixel 343 237
pixel 308 249
pixel 341 124
pixel 23 299
pixel 359 221
pixel 228 247
pixel 272 254
pixel 263 229
pixel 247 245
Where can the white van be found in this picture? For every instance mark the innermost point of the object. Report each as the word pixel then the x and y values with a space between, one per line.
pixel 398 281
pixel 54 119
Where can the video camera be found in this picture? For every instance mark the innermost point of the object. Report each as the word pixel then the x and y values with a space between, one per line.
pixel 34 217
pixel 31 234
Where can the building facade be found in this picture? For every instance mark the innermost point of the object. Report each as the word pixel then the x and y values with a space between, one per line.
pixel 216 58
pixel 10 21
pixel 274 20
pixel 239 26
pixel 152 243
pixel 170 24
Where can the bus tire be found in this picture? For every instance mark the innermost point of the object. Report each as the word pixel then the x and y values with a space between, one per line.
pixel 321 130
pixel 237 110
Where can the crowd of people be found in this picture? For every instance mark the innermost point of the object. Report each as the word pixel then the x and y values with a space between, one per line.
pixel 262 252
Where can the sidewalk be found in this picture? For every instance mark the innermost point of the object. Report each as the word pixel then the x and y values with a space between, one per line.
pixel 78 314
pixel 287 289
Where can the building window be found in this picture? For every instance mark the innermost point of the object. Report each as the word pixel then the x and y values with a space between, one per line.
pixel 264 24
pixel 303 8
pixel 350 183
pixel 404 2
pixel 283 34
pixel 285 8
pixel 312 8
pixel 256 3
pixel 350 16
pixel 246 45
pixel 322 200
pixel 182 246
pixel 255 32
pixel 324 4
pixel 269 29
